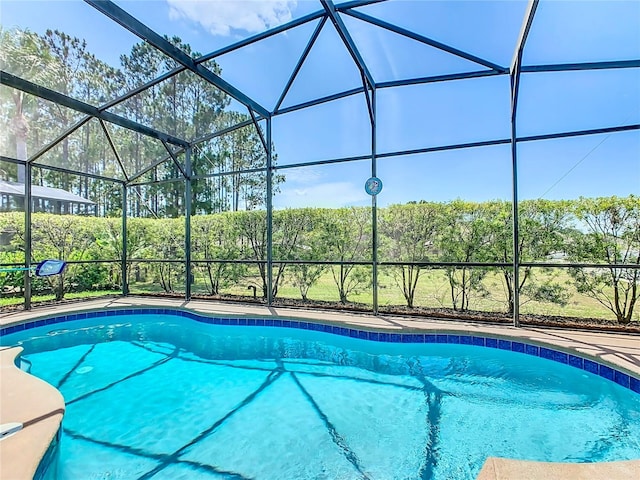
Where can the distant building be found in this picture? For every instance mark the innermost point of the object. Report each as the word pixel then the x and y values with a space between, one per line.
pixel 44 199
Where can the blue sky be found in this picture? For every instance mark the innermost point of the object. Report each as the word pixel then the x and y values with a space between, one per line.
pixel 416 116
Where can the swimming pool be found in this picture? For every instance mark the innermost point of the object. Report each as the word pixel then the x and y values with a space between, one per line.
pixel 162 396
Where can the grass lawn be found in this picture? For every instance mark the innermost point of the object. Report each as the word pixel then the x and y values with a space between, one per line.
pixel 7 301
pixel 433 291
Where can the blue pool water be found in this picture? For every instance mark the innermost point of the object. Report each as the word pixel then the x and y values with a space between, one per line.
pixel 170 398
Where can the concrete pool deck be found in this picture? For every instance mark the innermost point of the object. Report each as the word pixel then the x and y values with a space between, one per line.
pixel 28 400
pixel 35 404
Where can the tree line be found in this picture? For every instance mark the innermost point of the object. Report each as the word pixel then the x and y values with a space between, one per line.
pixel 183 105
pixel 310 242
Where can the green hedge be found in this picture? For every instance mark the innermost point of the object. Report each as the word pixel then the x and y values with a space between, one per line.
pixel 602 231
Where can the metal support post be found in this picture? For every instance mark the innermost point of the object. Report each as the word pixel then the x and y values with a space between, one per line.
pixel 187 222
pixel 27 237
pixel 269 201
pixel 514 74
pixel 374 205
pixel 125 282
pixel 515 226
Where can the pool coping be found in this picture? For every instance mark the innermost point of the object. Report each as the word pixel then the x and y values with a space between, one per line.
pixel 615 356
pixel 39 407
pixel 509 469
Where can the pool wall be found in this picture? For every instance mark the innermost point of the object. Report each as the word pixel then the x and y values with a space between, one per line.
pixel 609 372
pixel 44 466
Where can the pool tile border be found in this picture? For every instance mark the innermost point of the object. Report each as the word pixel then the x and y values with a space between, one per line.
pixel 581 362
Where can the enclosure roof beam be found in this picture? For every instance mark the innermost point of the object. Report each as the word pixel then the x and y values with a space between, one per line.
pixel 506 141
pixel 439 78
pixel 394 83
pixel 158 80
pixel 156 182
pixel 106 106
pixel 422 39
pixel 320 101
pixel 143 87
pixel 282 28
pixel 140 173
pixel 567 67
pixel 196 142
pixel 323 162
pixel 461 146
pixel 524 33
pixel 59 138
pixel 580 133
pixel 301 60
pixel 175 161
pixel 231 172
pixel 260 134
pixel 261 36
pixel 79 174
pixel 139 29
pixel 516 62
pixel 356 3
pixel 217 133
pixel 82 107
pixel 15 161
pixel 340 27
pixel 105 130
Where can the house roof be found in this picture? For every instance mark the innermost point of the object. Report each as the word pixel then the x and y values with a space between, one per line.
pixel 37 191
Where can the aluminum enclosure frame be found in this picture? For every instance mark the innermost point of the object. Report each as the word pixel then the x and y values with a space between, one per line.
pixel 331 12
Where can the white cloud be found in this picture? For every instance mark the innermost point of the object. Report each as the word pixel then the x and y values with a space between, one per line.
pixel 328 195
pixel 304 176
pixel 220 17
